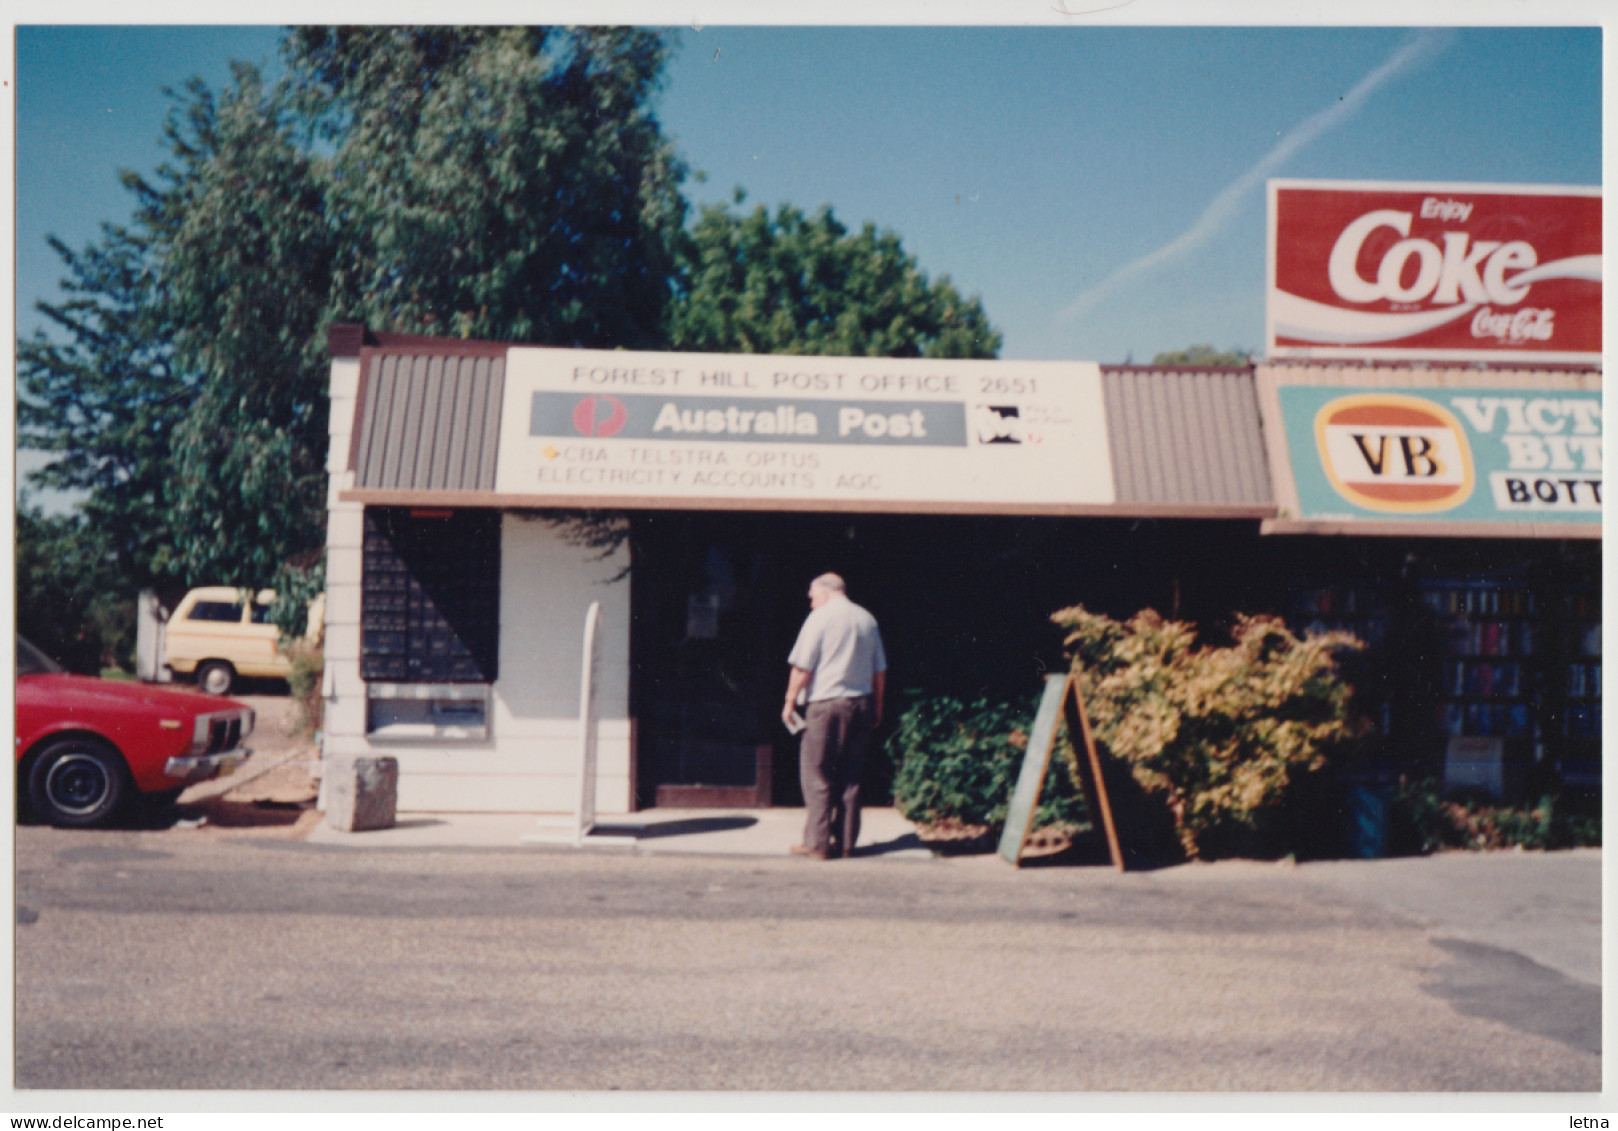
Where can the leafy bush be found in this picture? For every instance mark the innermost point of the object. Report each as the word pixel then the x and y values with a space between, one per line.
pixel 305 679
pixel 1423 821
pixel 958 763
pixel 1224 737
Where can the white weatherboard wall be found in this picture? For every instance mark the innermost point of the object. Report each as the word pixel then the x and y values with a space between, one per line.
pixel 530 762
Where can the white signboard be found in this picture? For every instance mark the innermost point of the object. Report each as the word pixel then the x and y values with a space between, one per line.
pixel 686 427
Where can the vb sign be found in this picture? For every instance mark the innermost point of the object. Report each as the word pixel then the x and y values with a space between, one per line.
pixel 1394 453
pixel 1454 455
pixel 1455 271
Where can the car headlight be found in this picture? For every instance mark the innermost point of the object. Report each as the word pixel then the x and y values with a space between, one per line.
pixel 220 731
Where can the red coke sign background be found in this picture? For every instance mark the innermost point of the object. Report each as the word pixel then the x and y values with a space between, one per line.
pixel 1461 272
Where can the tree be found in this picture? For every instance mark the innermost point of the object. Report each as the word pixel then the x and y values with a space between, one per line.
pixel 511 184
pixel 501 183
pixel 788 283
pixel 505 183
pixel 244 262
pixel 1205 356
pixel 69 600
pixel 103 398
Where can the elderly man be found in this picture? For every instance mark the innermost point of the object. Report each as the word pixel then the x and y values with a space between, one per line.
pixel 838 661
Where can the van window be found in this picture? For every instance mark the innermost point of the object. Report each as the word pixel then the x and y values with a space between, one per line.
pixel 261 613
pixel 216 611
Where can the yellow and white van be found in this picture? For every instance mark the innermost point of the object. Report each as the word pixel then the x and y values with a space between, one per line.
pixel 216 635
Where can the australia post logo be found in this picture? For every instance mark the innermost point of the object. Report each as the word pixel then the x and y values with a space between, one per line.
pixel 599 416
pixel 1456 270
pixel 1396 454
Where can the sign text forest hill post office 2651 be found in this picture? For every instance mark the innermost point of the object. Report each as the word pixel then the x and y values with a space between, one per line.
pixel 661 429
pixel 1447 454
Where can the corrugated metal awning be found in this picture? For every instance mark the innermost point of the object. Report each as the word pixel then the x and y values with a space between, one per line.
pixel 428 419
pixel 1186 441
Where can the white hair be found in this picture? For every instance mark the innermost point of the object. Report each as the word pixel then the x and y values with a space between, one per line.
pixel 829 582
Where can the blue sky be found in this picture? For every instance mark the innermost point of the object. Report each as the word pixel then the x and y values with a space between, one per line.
pixel 1101 188
pixel 1031 165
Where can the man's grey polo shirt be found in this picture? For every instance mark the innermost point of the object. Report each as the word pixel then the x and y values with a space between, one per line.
pixel 840 647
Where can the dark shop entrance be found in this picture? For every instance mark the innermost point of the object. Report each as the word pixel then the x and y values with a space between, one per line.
pixel 964 603
pixel 1466 637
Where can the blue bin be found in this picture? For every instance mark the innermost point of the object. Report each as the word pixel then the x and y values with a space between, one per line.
pixel 1366 810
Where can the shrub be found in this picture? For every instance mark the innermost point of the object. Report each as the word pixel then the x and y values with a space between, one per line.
pixel 1223 737
pixel 1423 821
pixel 305 679
pixel 958 763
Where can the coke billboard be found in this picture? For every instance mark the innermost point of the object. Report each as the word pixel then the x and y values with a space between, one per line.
pixel 1434 271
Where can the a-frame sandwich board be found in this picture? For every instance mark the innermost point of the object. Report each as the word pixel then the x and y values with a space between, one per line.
pixel 1061 701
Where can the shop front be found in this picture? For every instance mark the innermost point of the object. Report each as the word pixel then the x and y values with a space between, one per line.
pixel 483 496
pixel 1451 518
pixel 1433 418
pixel 1419 460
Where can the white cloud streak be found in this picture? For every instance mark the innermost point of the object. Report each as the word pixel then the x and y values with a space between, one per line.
pixel 1413 52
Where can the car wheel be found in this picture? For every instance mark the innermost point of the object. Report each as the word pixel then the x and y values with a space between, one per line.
pixel 76 782
pixel 216 677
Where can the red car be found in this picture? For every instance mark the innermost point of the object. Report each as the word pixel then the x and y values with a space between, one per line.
pixel 85 746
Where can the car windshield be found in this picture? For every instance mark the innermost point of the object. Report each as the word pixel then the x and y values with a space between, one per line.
pixel 31 661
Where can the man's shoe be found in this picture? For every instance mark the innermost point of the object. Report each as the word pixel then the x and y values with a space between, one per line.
pixel 802 850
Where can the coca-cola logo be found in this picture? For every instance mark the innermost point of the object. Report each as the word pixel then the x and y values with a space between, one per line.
pixel 1436 271
pixel 1460 270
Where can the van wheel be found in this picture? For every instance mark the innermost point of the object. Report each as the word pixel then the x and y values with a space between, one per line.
pixel 76 782
pixel 216 677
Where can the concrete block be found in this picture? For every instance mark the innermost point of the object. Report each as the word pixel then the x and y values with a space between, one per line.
pixel 361 793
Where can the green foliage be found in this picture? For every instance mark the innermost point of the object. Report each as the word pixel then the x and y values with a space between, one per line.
pixel 508 183
pixel 99 394
pixel 71 601
pixel 959 762
pixel 297 583
pixel 793 284
pixel 1223 736
pixel 304 680
pixel 500 182
pixel 1423 821
pixel 505 183
pixel 1205 355
pixel 244 266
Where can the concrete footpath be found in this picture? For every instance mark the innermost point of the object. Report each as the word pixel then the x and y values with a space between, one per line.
pixel 726 832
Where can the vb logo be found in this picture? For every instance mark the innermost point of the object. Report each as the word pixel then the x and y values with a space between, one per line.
pixel 1395 454
pixel 599 416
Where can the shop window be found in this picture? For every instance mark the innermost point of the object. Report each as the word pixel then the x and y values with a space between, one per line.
pixel 430 601
pixel 402 712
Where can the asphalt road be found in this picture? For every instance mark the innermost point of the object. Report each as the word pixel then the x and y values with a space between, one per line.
pixel 218 959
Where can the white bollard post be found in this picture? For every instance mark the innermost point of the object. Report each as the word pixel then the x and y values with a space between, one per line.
pixel 584 816
pixel 589 720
